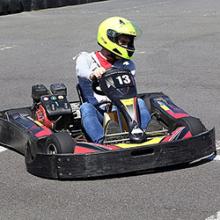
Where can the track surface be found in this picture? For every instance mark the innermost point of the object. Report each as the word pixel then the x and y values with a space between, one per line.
pixel 178 53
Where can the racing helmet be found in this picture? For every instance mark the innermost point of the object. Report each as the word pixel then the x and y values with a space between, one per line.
pixel 109 32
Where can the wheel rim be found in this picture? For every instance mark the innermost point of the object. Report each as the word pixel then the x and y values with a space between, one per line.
pixel 51 149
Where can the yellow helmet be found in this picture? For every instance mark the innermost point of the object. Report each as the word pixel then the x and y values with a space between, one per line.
pixel 109 31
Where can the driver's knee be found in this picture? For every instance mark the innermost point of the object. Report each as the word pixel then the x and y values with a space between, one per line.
pixel 87 109
pixel 144 113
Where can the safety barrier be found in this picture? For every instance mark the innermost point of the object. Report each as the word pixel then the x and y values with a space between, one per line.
pixel 16 6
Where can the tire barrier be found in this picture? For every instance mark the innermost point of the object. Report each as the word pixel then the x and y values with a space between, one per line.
pixel 16 6
pixel 11 6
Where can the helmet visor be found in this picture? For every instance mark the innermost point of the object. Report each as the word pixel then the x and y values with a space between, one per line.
pixel 126 41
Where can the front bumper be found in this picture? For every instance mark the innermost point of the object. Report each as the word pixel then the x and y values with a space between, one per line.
pixel 70 166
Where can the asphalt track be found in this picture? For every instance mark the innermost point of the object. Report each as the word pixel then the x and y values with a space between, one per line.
pixel 178 53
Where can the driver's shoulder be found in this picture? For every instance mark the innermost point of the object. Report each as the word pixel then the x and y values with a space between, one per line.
pixel 85 56
pixel 127 64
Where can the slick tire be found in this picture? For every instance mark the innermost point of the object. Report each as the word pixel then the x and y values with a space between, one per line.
pixel 194 125
pixel 59 143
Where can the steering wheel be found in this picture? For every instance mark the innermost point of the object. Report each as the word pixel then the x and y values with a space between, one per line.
pixel 95 82
pixel 96 88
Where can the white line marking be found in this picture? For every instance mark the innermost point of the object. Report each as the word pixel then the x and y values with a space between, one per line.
pixel 218 145
pixel 4 47
pixel 2 149
pixel 141 52
pixel 210 157
pixel 217 157
pixel 216 216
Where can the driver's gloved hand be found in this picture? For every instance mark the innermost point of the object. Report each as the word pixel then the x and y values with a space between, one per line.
pixel 97 73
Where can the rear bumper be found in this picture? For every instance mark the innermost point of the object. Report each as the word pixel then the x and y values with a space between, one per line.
pixel 123 161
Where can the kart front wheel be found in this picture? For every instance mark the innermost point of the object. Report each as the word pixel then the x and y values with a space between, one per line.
pixel 194 125
pixel 59 143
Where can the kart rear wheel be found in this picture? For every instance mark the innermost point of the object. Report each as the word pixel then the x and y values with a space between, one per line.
pixel 59 143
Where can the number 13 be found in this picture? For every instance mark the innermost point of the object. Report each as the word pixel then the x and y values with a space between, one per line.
pixel 125 79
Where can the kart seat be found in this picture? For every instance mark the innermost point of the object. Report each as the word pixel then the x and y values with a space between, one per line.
pixel 80 94
pixel 84 86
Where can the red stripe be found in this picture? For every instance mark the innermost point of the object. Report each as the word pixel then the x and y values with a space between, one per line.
pixel 188 135
pixel 109 147
pixel 45 132
pixel 177 115
pixel 103 61
pixel 167 138
pixel 83 150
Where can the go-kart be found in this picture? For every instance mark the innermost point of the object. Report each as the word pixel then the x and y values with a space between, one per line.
pixel 50 135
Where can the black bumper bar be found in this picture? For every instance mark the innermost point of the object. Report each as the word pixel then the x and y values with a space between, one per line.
pixel 124 161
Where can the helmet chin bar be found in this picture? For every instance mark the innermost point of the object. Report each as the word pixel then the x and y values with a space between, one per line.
pixel 113 55
pixel 109 54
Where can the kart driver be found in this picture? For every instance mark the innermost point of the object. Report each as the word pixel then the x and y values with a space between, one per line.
pixel 116 37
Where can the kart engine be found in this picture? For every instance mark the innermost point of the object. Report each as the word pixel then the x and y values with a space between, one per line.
pixel 51 107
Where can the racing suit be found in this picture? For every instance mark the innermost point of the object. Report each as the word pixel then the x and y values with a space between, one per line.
pixel 92 118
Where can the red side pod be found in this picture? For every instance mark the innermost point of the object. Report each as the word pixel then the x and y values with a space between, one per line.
pixel 44 132
pixel 30 125
pixel 168 108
